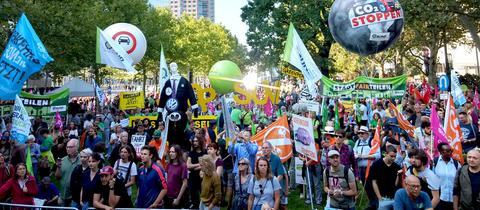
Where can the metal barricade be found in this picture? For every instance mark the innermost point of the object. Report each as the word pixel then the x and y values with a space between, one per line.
pixel 32 207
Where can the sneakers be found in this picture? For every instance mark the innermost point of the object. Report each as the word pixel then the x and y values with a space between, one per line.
pixel 301 195
pixel 307 201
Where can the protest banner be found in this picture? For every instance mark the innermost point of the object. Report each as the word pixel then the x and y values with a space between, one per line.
pixel 278 134
pixel 303 136
pixel 132 120
pixel 40 105
pixel 125 123
pixel 138 141
pixel 298 171
pixel 132 100
pixel 393 87
pixel 203 121
pixel 21 122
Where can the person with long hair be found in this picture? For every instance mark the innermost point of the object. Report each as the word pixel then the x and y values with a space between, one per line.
pixel 177 179
pixel 6 170
pixel 194 166
pixel 125 168
pixel 242 180
pixel 6 147
pixel 211 190
pixel 115 155
pixel 213 151
pixel 264 188
pixel 90 178
pixel 22 187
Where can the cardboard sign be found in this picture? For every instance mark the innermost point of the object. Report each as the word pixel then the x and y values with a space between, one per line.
pixel 203 121
pixel 133 119
pixel 138 141
pixel 132 100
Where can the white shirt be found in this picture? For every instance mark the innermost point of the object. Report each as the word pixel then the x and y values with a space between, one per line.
pixel 446 172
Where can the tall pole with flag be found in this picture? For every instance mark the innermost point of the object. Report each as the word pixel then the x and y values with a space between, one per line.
pixel 297 54
pixel 375 147
pixel 164 73
pixel 452 130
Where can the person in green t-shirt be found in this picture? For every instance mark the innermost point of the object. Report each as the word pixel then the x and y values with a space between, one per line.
pixel 247 116
pixel 235 115
pixel 315 123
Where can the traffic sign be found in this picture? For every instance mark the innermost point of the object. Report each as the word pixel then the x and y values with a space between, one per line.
pixel 443 83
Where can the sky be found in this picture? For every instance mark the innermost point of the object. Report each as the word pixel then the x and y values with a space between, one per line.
pixel 227 13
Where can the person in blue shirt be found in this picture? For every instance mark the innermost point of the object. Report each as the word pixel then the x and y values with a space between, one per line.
pixel 48 192
pixel 152 185
pixel 243 149
pixel 412 198
pixel 92 139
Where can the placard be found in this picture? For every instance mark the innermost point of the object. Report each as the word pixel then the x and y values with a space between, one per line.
pixel 303 136
pixel 138 141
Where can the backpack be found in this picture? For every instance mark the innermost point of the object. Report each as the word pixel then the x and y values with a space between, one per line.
pixel 435 161
pixel 357 142
pixel 345 174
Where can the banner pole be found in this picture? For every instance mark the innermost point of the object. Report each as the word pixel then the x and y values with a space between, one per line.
pixel 309 184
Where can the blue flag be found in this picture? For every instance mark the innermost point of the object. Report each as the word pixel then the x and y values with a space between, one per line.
pixel 21 121
pixel 23 56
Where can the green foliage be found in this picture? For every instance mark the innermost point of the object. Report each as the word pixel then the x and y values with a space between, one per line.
pixel 268 22
pixel 472 81
pixel 68 30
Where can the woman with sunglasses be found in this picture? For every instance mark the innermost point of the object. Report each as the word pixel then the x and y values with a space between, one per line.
pixel 264 188
pixel 242 180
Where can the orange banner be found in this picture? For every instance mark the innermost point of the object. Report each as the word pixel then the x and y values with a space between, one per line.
pixel 452 131
pixel 278 134
pixel 402 122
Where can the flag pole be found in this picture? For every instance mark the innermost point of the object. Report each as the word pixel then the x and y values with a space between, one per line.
pixel 308 183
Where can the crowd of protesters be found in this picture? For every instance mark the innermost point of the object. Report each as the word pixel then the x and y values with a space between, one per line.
pixel 95 165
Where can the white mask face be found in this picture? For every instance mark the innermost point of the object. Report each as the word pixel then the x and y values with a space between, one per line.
pixel 174 68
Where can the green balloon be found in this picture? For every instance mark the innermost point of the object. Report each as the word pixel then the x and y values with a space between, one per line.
pixel 223 76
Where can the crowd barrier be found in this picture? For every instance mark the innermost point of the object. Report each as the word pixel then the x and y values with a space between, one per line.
pixel 34 207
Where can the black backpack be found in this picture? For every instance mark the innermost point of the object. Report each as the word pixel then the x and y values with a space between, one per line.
pixel 345 174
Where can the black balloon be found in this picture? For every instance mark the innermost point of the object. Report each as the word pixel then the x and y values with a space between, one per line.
pixel 366 27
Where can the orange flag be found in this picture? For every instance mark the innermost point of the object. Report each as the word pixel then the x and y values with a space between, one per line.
pixel 452 131
pixel 278 134
pixel 376 142
pixel 402 122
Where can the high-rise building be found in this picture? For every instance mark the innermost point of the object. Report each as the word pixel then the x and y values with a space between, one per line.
pixel 195 8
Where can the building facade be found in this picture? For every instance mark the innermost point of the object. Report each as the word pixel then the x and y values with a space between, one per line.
pixel 195 8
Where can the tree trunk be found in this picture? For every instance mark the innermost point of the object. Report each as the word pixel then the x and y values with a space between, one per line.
pixel 432 76
pixel 472 28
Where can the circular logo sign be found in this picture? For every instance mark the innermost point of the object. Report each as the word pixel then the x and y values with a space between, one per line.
pixel 172 104
pixel 130 38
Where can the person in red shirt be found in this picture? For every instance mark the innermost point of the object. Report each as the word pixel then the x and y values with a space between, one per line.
pixel 22 187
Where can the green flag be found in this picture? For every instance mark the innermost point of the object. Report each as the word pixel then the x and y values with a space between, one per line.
pixel 324 113
pixel 337 118
pixel 29 161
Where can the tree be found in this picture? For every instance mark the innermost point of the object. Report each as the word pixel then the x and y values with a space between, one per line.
pixel 268 22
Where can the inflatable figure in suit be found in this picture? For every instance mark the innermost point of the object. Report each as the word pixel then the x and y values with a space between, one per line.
pixel 174 96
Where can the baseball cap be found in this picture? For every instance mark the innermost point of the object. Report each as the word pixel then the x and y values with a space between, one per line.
pixel 363 129
pixel 157 134
pixel 333 152
pixel 106 170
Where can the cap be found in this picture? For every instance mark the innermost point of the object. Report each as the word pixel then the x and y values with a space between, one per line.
pixel 333 152
pixel 157 134
pixel 106 170
pixel 363 129
pixel 31 137
pixel 329 130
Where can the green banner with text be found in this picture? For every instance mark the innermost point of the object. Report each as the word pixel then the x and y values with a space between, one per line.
pixel 40 105
pixel 392 87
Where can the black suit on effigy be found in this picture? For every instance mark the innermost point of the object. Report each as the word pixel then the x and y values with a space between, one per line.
pixel 183 93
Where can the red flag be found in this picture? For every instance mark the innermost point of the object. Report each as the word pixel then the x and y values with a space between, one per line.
pixel 402 122
pixel 452 130
pixel 426 92
pixel 375 147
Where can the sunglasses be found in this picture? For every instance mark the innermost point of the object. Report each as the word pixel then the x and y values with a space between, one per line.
pixel 261 189
pixel 242 164
pixel 340 136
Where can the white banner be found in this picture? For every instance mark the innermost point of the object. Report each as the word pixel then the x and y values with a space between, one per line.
pixel 100 94
pixel 21 122
pixel 164 74
pixel 112 54
pixel 303 136
pixel 138 141
pixel 298 171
